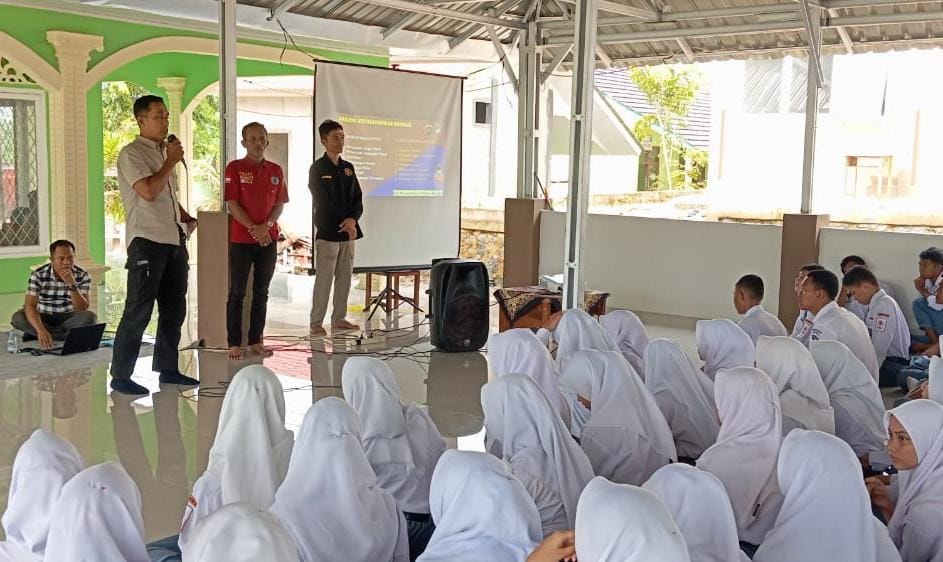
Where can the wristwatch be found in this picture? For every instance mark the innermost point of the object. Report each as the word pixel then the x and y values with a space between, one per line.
pixel 269 224
pixel 73 287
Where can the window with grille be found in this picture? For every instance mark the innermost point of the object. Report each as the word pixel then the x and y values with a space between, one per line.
pixel 23 171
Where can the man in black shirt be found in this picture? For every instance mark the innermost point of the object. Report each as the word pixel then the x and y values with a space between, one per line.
pixel 338 205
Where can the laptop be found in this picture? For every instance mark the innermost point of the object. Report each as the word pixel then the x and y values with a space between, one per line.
pixel 79 340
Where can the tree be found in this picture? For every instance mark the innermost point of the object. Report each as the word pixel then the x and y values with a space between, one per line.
pixel 206 151
pixel 118 129
pixel 671 92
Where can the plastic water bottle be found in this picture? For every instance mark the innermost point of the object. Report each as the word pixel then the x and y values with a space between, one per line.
pixel 13 343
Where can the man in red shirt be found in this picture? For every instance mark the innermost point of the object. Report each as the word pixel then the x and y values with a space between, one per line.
pixel 255 194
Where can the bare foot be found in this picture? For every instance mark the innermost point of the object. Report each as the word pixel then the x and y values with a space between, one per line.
pixel 345 325
pixel 318 330
pixel 260 349
pixel 932 350
pixel 236 353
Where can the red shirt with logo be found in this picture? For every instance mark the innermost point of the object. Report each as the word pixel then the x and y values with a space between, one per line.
pixel 257 188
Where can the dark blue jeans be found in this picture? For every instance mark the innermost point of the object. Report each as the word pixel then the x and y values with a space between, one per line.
pixel 420 527
pixel 927 317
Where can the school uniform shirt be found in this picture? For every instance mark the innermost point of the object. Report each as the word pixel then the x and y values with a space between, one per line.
pixel 337 197
pixel 890 333
pixel 241 532
pixel 802 394
pixel 537 446
pixel 835 323
pixel 258 188
pixel 624 523
pixel 43 465
pixel 826 512
pixel 699 505
pixel 918 515
pixel 758 322
pixel 802 329
pixel 861 310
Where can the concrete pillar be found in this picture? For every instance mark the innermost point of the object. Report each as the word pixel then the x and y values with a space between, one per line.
pixel 213 277
pixel 521 241
pixel 800 245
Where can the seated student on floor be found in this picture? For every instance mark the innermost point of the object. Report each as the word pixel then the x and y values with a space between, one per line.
pixel 802 329
pixel 886 324
pixel 747 299
pixel 829 322
pixel 57 298
pixel 846 300
pixel 928 310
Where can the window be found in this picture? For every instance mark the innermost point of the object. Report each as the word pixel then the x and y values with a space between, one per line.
pixel 23 172
pixel 482 113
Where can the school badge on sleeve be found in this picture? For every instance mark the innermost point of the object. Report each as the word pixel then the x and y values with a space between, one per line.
pixel 274 180
pixel 349 171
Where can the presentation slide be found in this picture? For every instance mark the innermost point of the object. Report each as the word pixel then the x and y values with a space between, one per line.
pixel 403 135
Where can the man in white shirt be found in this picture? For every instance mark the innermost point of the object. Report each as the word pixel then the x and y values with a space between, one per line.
pixel 802 329
pixel 847 301
pixel 831 322
pixel 747 299
pixel 886 324
pixel 928 311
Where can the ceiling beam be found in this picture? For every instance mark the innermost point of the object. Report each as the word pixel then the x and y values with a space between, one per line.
pixel 622 9
pixel 813 28
pixel 555 63
pixel 329 7
pixel 402 22
pixel 415 7
pixel 686 33
pixel 282 8
pixel 498 10
pixel 503 55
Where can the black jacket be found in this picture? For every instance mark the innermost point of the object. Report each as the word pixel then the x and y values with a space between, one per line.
pixel 337 196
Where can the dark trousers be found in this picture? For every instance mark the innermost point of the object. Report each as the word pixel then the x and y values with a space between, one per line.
pixel 156 272
pixel 261 259
pixel 419 528
pixel 889 375
pixel 58 324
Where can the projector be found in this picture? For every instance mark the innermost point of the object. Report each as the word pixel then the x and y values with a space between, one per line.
pixel 552 282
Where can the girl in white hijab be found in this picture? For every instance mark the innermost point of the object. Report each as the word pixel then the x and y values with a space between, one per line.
pixel 239 532
pixel 623 523
pixel 520 352
pixel 744 457
pixel 98 518
pixel 626 437
pixel 481 511
pixel 629 334
pixel 915 445
pixel 802 394
pixel 249 457
pixel 699 505
pixel 44 463
pixel 855 398
pixel 826 513
pixel 723 345
pixel 539 449
pixel 401 442
pixel 684 396
pixel 578 331
pixel 331 501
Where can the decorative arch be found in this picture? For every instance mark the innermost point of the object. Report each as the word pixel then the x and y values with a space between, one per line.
pixel 27 61
pixel 195 45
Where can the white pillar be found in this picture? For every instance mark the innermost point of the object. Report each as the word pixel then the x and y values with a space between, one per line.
pixel 527 106
pixel 814 88
pixel 173 86
pixel 227 88
pixel 581 124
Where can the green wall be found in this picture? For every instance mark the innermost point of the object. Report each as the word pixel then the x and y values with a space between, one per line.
pixel 29 26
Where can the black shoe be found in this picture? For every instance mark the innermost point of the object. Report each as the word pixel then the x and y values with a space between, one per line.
pixel 176 377
pixel 29 337
pixel 128 386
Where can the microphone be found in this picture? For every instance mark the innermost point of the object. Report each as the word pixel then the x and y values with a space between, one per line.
pixel 171 138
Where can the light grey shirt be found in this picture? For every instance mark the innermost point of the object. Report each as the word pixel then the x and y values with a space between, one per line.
pixel 888 327
pixel 157 220
pixel 758 322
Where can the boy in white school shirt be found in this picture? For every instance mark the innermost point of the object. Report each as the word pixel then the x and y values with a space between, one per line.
pixel 847 301
pixel 802 329
pixel 747 299
pixel 831 322
pixel 928 311
pixel 886 323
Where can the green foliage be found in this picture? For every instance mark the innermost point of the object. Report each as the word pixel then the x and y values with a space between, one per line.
pixel 118 129
pixel 671 91
pixel 205 166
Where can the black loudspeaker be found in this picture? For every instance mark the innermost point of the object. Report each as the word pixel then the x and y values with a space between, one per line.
pixel 458 304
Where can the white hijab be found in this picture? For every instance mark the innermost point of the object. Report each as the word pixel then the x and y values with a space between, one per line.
pixel 331 501
pixel 520 352
pixel 402 443
pixel 518 415
pixel 802 394
pixel 921 489
pixel 44 463
pixel 578 331
pixel 629 334
pixel 480 510
pixel 826 511
pixel 626 436
pixel 239 532
pixel 852 391
pixel 250 454
pixel 723 345
pixel 935 381
pixel 744 457
pixel 623 523
pixel 685 397
pixel 97 518
pixel 699 504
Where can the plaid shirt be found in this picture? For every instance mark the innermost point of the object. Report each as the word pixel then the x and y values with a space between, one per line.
pixel 53 294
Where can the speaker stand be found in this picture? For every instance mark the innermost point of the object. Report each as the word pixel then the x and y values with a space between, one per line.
pixel 385 300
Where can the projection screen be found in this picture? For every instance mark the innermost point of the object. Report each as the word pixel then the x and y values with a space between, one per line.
pixel 403 135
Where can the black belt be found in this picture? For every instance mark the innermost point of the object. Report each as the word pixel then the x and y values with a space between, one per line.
pixel 417 517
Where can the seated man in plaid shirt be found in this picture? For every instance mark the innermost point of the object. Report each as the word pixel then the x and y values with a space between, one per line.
pixel 57 298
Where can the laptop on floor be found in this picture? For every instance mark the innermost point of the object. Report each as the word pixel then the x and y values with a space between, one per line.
pixel 79 340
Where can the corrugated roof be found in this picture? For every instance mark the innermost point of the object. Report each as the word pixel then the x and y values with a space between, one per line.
pixel 736 28
pixel 618 86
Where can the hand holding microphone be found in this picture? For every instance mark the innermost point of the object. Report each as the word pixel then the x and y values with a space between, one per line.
pixel 175 150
